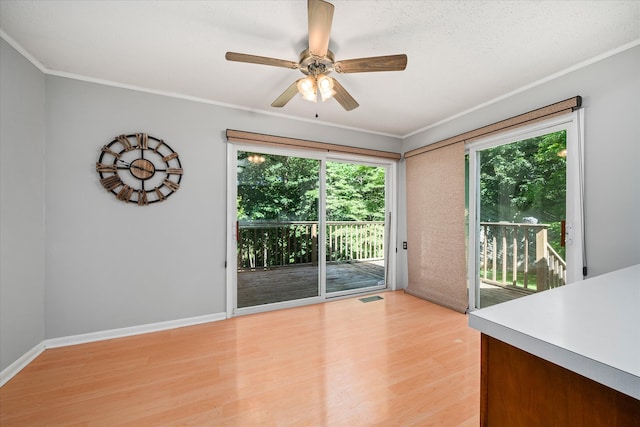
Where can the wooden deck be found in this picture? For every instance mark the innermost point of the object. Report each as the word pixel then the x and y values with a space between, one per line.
pixel 260 287
pixel 301 281
pixel 492 295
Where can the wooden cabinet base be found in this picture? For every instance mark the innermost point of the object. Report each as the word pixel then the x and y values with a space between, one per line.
pixel 519 389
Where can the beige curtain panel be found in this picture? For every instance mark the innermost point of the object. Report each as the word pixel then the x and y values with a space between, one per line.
pixel 437 253
pixel 436 223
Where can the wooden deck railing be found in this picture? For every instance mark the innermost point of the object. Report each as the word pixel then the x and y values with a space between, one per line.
pixel 519 254
pixel 274 244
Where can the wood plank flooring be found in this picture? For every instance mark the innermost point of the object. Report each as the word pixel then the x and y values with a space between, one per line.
pixel 399 361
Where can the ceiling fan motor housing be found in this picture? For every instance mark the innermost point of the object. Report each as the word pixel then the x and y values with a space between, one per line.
pixel 315 65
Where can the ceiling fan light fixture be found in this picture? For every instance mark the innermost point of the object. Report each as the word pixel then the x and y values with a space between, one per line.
pixel 325 86
pixel 308 88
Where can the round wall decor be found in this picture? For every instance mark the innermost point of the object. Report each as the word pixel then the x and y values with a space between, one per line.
pixel 139 168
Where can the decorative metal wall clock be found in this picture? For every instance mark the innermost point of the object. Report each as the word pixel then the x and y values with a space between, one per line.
pixel 139 168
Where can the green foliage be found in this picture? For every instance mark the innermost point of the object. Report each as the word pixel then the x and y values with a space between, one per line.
pixel 526 179
pixel 279 189
pixel 355 192
pixel 285 188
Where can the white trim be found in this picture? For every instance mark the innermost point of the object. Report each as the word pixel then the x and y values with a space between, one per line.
pixel 521 133
pixel 132 330
pixel 278 306
pixel 473 257
pixel 322 230
pixel 566 71
pixel 574 238
pixel 112 83
pixel 357 292
pixel 391 260
pixel 65 74
pixel 232 232
pixel 12 370
pixel 579 204
pixel 14 44
pixel 176 95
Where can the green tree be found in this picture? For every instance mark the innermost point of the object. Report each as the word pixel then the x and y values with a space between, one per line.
pixel 526 179
pixel 281 188
pixel 355 192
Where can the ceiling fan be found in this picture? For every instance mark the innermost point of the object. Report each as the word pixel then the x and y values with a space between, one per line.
pixel 318 61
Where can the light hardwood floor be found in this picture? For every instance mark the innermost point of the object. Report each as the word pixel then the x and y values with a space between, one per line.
pixel 399 361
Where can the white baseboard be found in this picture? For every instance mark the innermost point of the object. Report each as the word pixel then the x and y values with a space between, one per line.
pixel 132 330
pixel 11 370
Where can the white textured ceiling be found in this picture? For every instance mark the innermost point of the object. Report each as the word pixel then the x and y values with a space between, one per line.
pixel 461 53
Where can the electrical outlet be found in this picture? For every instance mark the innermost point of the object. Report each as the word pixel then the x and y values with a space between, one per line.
pixel 404 245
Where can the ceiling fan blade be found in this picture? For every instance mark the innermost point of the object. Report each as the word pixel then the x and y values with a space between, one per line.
pixel 320 18
pixel 343 97
pixel 286 96
pixel 262 60
pixel 374 63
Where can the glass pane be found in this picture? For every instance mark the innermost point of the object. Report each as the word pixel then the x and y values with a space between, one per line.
pixel 277 228
pixel 355 239
pixel 522 216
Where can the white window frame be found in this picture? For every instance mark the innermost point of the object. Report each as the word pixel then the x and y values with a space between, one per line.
pixel 573 124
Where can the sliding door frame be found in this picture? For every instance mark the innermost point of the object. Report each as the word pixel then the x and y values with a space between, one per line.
pixel 573 124
pixel 390 221
pixel 323 157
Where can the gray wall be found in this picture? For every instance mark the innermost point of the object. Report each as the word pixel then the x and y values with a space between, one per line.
pixel 22 262
pixel 610 90
pixel 112 264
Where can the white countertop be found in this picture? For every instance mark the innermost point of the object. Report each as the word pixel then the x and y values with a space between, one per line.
pixel 590 327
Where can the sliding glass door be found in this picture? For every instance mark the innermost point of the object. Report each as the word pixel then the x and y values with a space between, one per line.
pixel 307 227
pixel 526 234
pixel 277 228
pixel 356 232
